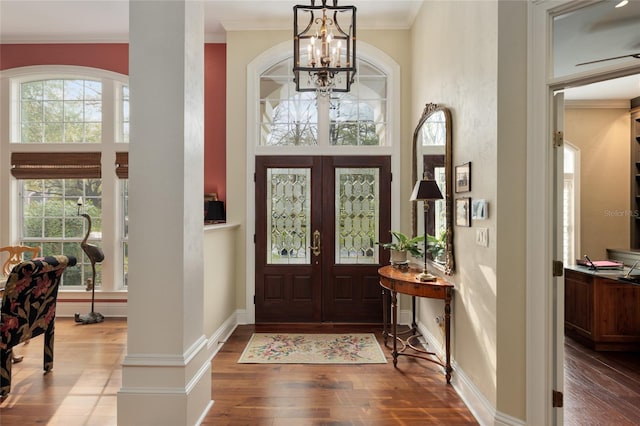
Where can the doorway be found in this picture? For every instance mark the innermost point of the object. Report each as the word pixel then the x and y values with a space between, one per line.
pixel 542 360
pixel 318 219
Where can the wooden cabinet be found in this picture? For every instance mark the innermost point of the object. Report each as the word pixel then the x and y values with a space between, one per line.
pixel 602 312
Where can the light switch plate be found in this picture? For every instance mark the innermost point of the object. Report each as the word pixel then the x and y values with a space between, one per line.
pixel 482 237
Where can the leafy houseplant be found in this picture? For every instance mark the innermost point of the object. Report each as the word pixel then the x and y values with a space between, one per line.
pixel 436 246
pixel 402 245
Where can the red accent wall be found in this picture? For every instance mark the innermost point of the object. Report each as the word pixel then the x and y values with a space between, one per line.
pixel 215 119
pixel 115 57
pixel 111 57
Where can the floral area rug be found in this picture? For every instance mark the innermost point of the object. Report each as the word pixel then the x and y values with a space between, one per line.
pixel 284 348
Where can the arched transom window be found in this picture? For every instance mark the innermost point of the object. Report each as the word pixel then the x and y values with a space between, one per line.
pixel 290 118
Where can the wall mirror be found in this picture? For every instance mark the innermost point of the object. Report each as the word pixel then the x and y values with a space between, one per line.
pixel 432 160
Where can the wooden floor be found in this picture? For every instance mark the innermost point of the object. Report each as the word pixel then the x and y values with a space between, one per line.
pixel 289 394
pixel 600 388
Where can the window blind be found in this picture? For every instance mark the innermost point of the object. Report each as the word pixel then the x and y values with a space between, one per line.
pixel 55 165
pixel 122 165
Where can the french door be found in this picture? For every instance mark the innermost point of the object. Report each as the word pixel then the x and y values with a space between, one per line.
pixel 317 222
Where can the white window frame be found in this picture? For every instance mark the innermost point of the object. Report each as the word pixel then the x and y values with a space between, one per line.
pixel 112 275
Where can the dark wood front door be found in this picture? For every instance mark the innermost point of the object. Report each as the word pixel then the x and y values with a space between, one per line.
pixel 317 221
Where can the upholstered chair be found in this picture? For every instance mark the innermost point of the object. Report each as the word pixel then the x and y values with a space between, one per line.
pixel 29 309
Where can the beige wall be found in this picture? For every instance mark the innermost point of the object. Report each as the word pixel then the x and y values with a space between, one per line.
pixel 602 136
pixel 242 48
pixel 219 277
pixel 471 57
pixel 511 211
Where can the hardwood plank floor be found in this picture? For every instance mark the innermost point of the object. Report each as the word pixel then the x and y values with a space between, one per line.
pixel 290 394
pixel 81 389
pixel 600 388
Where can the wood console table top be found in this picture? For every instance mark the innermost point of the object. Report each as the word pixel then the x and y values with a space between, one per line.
pixel 394 281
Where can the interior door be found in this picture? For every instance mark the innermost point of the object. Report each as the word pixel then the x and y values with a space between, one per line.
pixel 558 290
pixel 317 221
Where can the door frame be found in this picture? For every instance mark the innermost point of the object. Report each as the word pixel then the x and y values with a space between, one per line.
pixel 539 286
pixel 249 315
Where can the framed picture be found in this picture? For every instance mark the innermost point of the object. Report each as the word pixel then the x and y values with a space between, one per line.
pixel 463 177
pixel 479 209
pixel 463 211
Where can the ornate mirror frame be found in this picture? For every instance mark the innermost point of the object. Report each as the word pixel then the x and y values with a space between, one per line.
pixel 431 113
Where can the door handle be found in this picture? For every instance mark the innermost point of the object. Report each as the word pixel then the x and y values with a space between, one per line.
pixel 315 248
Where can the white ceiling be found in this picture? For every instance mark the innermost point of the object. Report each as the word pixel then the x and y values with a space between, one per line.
pixel 83 21
pixel 25 21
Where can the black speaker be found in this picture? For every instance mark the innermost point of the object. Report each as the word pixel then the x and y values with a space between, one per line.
pixel 214 211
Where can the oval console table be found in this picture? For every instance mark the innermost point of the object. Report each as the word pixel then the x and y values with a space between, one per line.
pixel 394 281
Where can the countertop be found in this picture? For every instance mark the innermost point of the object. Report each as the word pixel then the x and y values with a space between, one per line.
pixel 613 274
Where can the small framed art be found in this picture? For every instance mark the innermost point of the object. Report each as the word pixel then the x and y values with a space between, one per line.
pixel 479 209
pixel 463 177
pixel 463 211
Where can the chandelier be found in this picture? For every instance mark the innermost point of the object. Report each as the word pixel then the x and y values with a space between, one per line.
pixel 324 47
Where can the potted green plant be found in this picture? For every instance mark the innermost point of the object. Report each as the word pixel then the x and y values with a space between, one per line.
pixel 402 244
pixel 436 246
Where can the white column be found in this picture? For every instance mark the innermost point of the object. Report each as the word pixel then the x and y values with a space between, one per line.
pixel 167 370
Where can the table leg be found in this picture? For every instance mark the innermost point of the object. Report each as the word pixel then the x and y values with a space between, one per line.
pixel 394 326
pixel 414 324
pixel 447 335
pixel 385 314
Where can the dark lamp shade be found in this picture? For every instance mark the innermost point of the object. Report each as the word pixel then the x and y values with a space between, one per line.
pixel 215 211
pixel 426 190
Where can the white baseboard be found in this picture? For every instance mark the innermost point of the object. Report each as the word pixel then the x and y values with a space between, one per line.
pixel 405 317
pixel 244 318
pixel 480 407
pixel 109 308
pixel 220 336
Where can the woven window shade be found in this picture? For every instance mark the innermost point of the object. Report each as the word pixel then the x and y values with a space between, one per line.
pixel 122 165
pixel 55 165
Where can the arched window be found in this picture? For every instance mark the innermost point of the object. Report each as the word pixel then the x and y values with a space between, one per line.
pixel 290 118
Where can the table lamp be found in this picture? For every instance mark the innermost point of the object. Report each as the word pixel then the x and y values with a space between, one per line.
pixel 425 191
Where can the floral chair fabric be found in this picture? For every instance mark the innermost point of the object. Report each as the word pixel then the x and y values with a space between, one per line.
pixel 29 309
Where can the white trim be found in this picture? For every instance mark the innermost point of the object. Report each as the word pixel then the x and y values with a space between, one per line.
pixel 39 72
pixel 575 194
pixel 216 341
pixel 538 315
pixel 577 170
pixel 68 309
pixel 480 407
pixel 256 67
pixel 163 360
